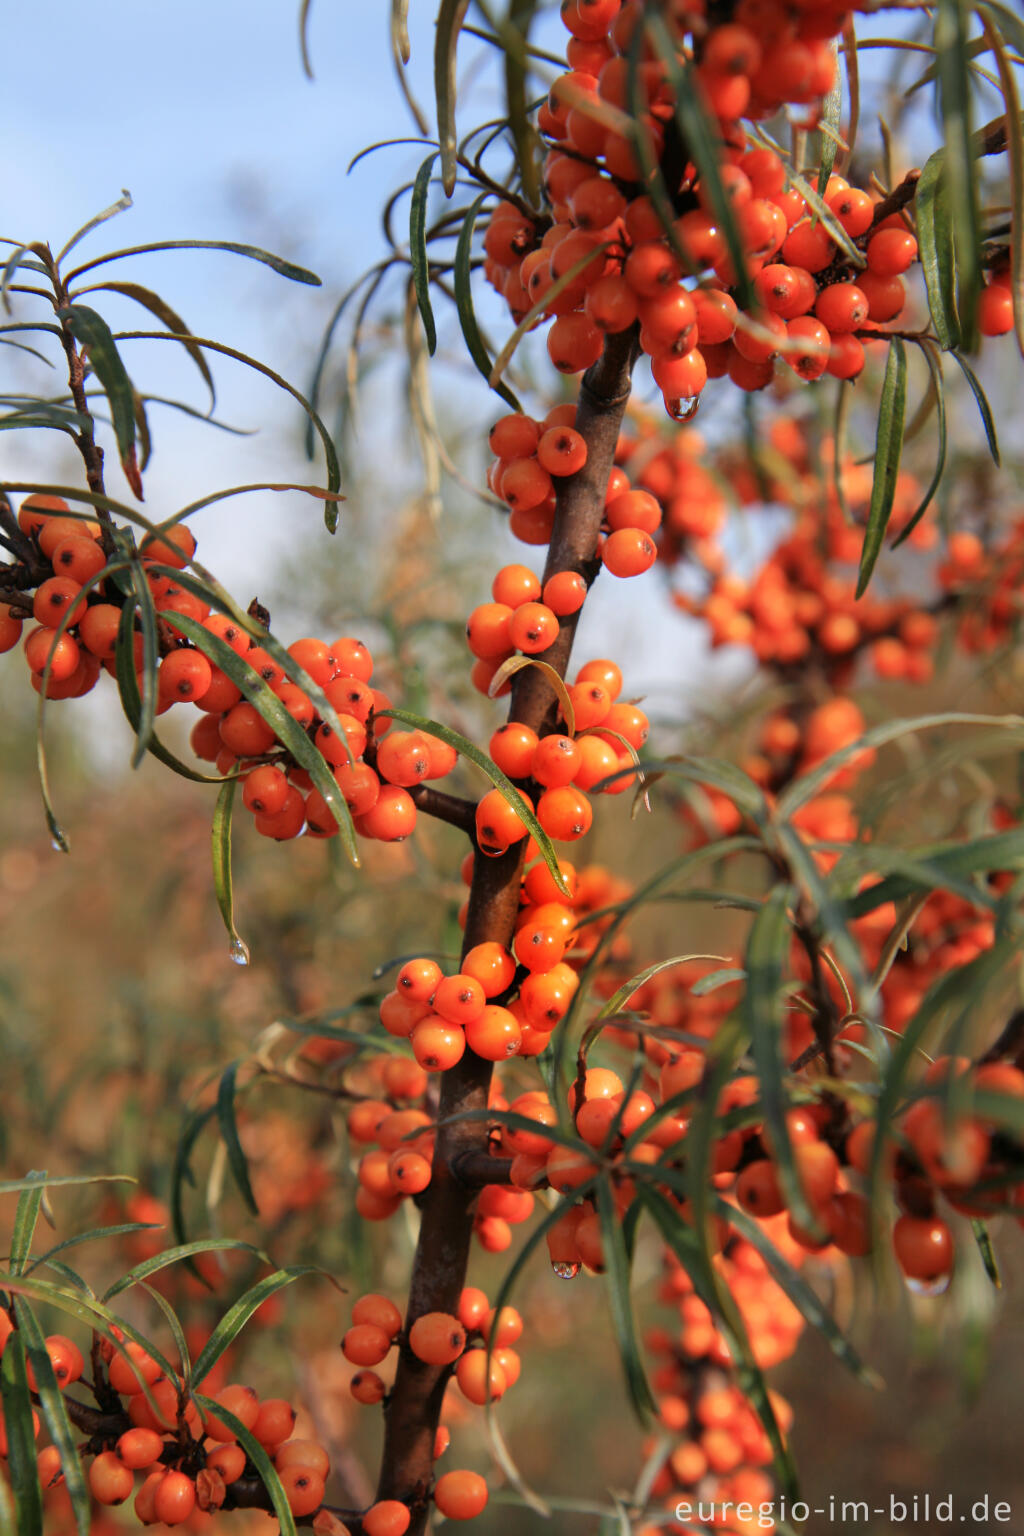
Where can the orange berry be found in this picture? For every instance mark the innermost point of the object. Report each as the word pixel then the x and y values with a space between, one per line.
pixel 437 1046
pixel 303 1488
pixel 478 1381
pixel 533 628
pixel 274 1422
pixel 565 814
pixel 923 1246
pixel 238 1400
pixel 387 1518
pixel 139 1448
pixel 175 1498
pixel 495 1034
pixel 303 1453
pixel 437 1338
pixel 365 1344
pixel 110 1481
pixel 227 1460
pixel 461 1495
pixel 565 593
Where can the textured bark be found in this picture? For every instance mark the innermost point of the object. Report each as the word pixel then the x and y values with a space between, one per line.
pixel 442 1252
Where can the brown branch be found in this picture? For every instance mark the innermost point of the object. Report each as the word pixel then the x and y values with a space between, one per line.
pixel 476 1169
pixel 442 1252
pixel 897 200
pixel 453 809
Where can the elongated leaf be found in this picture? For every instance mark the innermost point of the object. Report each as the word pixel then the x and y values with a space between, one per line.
pixel 984 408
pixel 516 664
pixel 287 730
pixel 418 254
pixel 954 77
pixel 450 16
pixel 307 63
pixel 716 1296
pixel 25 1217
pixel 1015 147
pixel 831 125
pixel 87 1310
pixel 537 312
pixel 965 986
pixel 163 311
pixel 95 1234
pixel 937 866
pixel 888 450
pixel 617 1269
pixel 810 784
pixel 141 1272
pixel 465 748
pixel 463 288
pixel 702 140
pixel 401 54
pixel 55 1414
pixel 621 996
pixel 934 361
pixel 983 1238
pixel 146 610
pixel 220 847
pixel 524 135
pixel 937 249
pixel 46 1181
pixel 330 452
pixel 21 1447
pixel 767 953
pixel 131 703
pixel 824 215
pixel 259 1458
pixel 94 335
pixel 803 1296
pixel 11 266
pixel 181 1171
pixel 124 202
pixel 237 1160
pixel 234 1320
pixel 277 263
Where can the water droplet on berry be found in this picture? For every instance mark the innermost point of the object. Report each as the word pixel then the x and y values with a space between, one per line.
pixel 566 1271
pixel 685 409
pixel 239 952
pixel 934 1287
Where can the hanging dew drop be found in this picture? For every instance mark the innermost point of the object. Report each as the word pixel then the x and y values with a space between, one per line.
pixel 239 952
pixel 566 1271
pixel 685 409
pixel 57 845
pixel 928 1287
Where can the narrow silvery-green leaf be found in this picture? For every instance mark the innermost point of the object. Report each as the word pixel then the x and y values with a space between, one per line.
pixel 55 1414
pixel 234 1320
pixel 984 409
pixel 450 16
pixel 94 335
pixel 888 450
pixel 418 253
pixel 21 1440
pixel 952 46
pixel 617 1273
pixel 762 1010
pixel 237 1160
pixel 934 361
pixel 937 249
pixel 462 282
pixel 222 879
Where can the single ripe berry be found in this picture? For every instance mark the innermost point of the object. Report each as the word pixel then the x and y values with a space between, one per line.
pixel 303 1488
pixel 437 1338
pixel 139 1448
pixel 565 593
pixel 533 628
pixel 629 552
pixel 365 1344
pixel 110 1481
pixel 461 1495
pixel 387 1518
pixel 175 1498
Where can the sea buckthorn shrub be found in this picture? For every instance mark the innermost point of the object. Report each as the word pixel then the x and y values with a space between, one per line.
pixel 843 1085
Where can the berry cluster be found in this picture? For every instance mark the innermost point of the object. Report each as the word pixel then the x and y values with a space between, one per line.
pixel 825 276
pixel 190 1460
